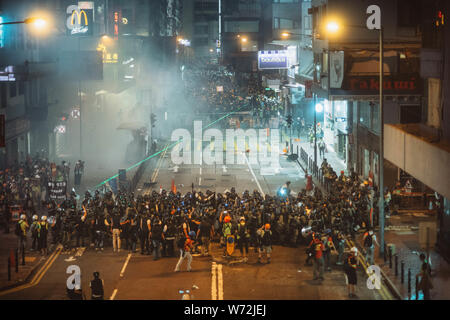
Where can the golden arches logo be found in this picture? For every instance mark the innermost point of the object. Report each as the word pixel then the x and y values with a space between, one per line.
pixel 79 15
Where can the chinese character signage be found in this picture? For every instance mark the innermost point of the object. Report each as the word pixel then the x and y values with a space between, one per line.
pixel 57 190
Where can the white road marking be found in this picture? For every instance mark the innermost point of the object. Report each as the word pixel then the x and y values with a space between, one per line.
pixel 80 252
pixel 113 294
pixel 220 282
pixel 125 265
pixel 70 259
pixel 214 281
pixel 253 174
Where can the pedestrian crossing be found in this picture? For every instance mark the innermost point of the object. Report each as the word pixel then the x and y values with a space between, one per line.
pixel 212 146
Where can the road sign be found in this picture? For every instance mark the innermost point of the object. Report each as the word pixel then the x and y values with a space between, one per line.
pixel 230 245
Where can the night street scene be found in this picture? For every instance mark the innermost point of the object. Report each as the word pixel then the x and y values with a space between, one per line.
pixel 240 150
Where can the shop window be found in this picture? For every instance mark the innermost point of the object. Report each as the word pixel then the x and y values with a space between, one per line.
pixel 364 114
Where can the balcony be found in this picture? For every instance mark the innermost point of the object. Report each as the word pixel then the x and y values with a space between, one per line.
pixel 415 149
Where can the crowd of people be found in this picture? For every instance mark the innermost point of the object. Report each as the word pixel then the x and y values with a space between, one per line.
pixel 26 185
pixel 218 91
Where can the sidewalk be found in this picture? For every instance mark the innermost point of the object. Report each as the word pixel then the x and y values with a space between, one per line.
pixel 407 248
pixel 32 261
pixel 405 238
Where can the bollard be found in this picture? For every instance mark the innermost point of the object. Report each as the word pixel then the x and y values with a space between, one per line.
pixel 23 254
pixel 16 260
pixel 409 283
pixel 402 272
pixel 390 257
pixel 9 268
pixel 396 265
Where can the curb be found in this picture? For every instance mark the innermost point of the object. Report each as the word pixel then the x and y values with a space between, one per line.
pixel 27 279
pixel 392 288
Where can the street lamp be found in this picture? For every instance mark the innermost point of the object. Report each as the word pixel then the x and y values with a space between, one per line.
pixel 333 27
pixel 38 23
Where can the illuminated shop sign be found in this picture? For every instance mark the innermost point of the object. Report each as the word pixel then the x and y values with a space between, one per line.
pixel 277 59
pixel 79 20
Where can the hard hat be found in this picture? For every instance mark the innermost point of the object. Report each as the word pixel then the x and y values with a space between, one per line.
pixel 191 234
pixel 227 219
pixel 267 226
pixel 366 182
pixel 44 218
pixel 23 217
pixel 241 219
pixel 35 217
pixel 354 249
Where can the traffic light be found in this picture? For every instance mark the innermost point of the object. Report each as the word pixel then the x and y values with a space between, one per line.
pixel 152 119
pixel 289 120
pixel 440 18
pixel 64 117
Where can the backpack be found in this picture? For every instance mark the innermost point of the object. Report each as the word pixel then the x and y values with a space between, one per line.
pixel 368 241
pixel 18 230
pixel 181 242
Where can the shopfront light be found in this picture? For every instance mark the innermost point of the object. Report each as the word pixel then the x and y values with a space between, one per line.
pixel 319 108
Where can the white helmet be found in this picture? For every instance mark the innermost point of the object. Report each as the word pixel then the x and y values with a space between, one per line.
pixel 355 250
pixel 35 217
pixel 23 217
pixel 44 218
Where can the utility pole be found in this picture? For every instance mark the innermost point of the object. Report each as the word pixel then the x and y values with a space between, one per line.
pixel 220 31
pixel 381 156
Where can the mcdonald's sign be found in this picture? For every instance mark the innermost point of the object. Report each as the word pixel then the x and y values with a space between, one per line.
pixel 79 20
pixel 79 14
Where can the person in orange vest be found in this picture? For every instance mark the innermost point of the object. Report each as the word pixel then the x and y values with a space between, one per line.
pixel 318 247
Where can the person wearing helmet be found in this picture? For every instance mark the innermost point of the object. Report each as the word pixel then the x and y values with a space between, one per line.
pixel 157 236
pixel 35 229
pixel 265 242
pixel 243 238
pixel 185 252
pixel 96 286
pixel 43 234
pixel 21 232
pixel 350 271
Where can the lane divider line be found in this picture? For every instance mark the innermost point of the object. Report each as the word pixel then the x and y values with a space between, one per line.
pixel 113 294
pixel 125 265
pixel 383 292
pixel 38 276
pixel 220 282
pixel 254 176
pixel 214 281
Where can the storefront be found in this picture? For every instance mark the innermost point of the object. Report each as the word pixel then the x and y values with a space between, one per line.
pixel 17 140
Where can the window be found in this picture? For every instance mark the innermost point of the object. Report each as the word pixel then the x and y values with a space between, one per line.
pixel 12 89
pixel 285 1
pixel 3 95
pixel 201 41
pixel 364 114
pixel 307 22
pixel 201 29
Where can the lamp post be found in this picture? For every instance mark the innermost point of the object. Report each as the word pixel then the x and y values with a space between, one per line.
pixel 333 27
